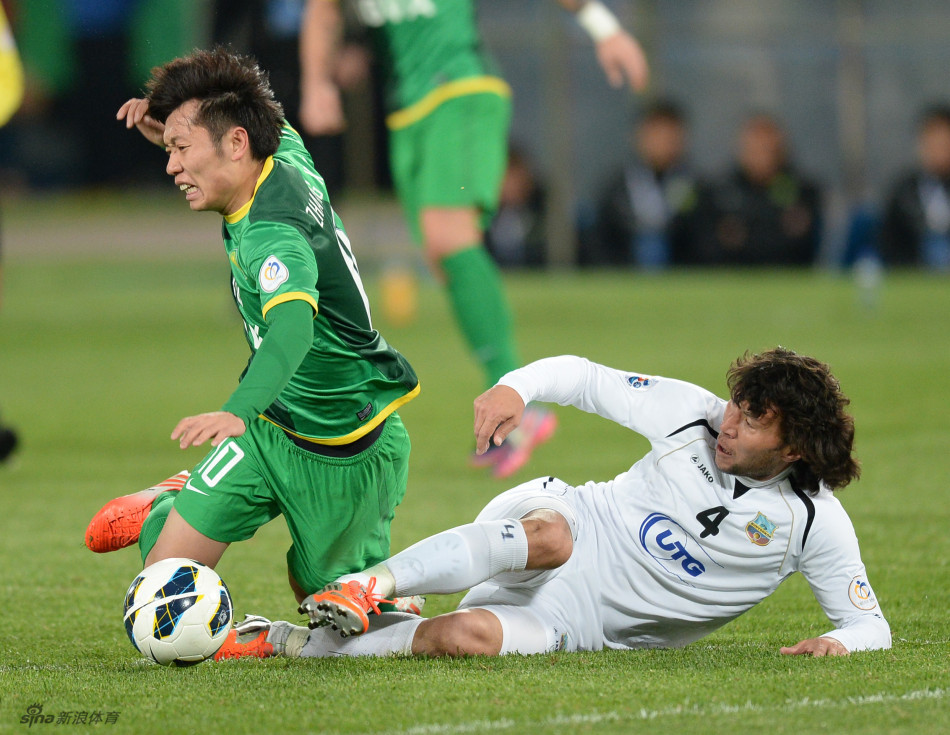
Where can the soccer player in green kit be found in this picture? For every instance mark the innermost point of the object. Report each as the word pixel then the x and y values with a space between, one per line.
pixel 449 114
pixel 311 432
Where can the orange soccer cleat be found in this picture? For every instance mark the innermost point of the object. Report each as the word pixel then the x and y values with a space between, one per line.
pixel 247 639
pixel 119 522
pixel 345 606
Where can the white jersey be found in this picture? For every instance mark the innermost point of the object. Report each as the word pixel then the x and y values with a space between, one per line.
pixel 680 548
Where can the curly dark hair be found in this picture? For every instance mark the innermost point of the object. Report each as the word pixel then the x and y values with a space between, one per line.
pixel 231 90
pixel 810 406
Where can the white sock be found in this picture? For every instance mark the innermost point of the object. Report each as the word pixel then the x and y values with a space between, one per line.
pixel 458 559
pixel 390 633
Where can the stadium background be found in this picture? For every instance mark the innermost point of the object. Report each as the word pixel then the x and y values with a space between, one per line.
pixel 117 320
pixel 847 77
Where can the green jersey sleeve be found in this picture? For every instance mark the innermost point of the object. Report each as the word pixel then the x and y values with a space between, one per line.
pixel 287 342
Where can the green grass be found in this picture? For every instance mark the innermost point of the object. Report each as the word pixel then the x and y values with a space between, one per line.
pixel 99 358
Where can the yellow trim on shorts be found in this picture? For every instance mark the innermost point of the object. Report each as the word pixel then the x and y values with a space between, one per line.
pixel 363 430
pixel 238 215
pixel 290 296
pixel 459 88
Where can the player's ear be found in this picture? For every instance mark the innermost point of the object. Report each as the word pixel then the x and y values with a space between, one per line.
pixel 239 143
pixel 790 455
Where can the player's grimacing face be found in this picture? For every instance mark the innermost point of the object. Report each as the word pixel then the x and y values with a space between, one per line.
pixel 751 446
pixel 201 170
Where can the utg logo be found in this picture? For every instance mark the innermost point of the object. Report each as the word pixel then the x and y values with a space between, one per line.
pixel 673 548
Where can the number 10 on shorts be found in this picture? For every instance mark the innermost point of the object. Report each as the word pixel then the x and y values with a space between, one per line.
pixel 219 463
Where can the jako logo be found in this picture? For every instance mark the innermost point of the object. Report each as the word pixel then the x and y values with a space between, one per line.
pixel 669 544
pixel 701 467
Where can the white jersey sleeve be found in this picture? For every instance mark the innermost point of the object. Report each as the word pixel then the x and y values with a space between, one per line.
pixel 649 405
pixel 831 563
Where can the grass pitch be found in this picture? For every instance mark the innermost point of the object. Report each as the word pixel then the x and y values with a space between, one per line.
pixel 100 356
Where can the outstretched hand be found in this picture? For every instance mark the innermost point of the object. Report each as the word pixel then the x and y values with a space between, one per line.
pixel 135 114
pixel 816 647
pixel 622 58
pixel 217 426
pixel 498 412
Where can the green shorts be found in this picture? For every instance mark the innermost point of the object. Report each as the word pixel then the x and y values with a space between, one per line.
pixel 338 509
pixel 453 157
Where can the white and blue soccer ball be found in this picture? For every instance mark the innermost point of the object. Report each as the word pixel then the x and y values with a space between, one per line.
pixel 177 612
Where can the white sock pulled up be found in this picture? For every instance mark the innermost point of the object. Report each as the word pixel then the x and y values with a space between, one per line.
pixel 458 559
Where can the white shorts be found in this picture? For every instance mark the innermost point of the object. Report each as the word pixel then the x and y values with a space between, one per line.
pixel 548 610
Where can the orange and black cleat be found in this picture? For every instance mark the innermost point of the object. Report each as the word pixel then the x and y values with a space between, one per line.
pixel 345 606
pixel 119 522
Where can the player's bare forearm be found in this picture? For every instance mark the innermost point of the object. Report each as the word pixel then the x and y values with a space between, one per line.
pixel 135 114
pixel 817 647
pixel 620 55
pixel 321 110
pixel 217 426
pixel 498 412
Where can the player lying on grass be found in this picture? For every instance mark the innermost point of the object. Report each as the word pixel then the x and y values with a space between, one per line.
pixel 733 498
pixel 311 431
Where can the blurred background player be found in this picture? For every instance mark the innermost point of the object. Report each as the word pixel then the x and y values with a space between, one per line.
pixel 762 212
pixel 11 94
pixel 644 210
pixel 448 120
pixel 916 226
pixel 516 236
pixel 311 432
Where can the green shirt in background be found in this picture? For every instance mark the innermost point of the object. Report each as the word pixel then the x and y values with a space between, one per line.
pixel 425 45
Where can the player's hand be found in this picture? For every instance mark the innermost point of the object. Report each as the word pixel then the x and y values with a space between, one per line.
pixel 321 109
pixel 217 426
pixel 135 114
pixel 622 58
pixel 497 413
pixel 352 68
pixel 816 647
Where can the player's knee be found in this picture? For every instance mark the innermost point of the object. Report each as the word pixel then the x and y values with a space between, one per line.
pixel 550 541
pixel 459 633
pixel 447 231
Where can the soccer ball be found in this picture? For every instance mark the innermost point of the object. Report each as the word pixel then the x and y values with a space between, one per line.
pixel 177 612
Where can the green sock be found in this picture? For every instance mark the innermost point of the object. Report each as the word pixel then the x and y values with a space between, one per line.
pixel 481 309
pixel 155 521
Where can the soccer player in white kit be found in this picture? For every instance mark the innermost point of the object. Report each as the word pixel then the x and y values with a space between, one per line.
pixel 733 497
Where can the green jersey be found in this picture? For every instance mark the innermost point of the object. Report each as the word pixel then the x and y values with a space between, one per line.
pixel 428 47
pixel 288 244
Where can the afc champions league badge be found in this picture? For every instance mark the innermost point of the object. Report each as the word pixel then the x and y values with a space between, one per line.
pixel 861 594
pixel 273 273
